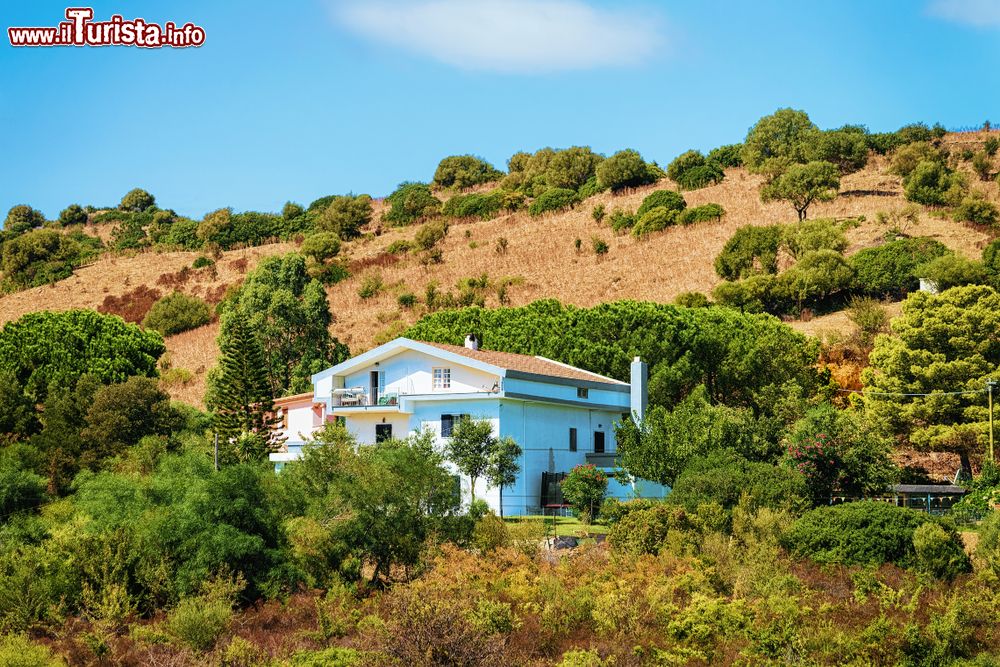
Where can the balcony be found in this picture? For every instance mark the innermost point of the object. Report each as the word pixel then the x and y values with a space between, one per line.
pixel 358 399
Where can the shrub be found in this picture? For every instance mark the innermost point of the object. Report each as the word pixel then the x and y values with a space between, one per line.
pixel 584 658
pixel 137 200
pixel 620 220
pixel 668 199
pixel 845 148
pixel 407 300
pixel 906 159
pixel 626 169
pixel 936 552
pixel 291 210
pixel 44 256
pixel 703 213
pixel 201 262
pixel 584 488
pixel 19 651
pixel 991 260
pixel 755 294
pixel 978 211
pixel 950 271
pixel 982 164
pixel 890 269
pixel 726 156
pixel 866 532
pixel 328 657
pixel 463 171
pixel 691 171
pixel 869 316
pixel 643 531
pixel 20 489
pixel 177 312
pixel 597 213
pixel 21 218
pixel 988 549
pixel 808 235
pixel 73 215
pixel 411 202
pixel 199 621
pixel 692 300
pixel 344 216
pixel 654 220
pixel 371 286
pixel 553 199
pixel 749 250
pixel 483 206
pixel 817 275
pixel 321 246
pixel 599 245
pixel 399 247
pixel 572 168
pixel 933 184
pixel 430 234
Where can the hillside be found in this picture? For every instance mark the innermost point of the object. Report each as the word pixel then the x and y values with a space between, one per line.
pixel 540 261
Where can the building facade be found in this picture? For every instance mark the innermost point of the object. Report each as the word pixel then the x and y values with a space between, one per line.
pixel 561 416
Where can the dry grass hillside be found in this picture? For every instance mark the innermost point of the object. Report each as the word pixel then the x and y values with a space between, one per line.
pixel 540 257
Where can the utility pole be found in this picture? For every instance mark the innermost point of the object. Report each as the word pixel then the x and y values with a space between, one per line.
pixel 990 384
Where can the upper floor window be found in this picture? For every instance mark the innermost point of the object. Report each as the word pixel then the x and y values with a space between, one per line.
pixel 582 392
pixel 442 378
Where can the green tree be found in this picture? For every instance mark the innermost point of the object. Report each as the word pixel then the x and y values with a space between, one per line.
pixel 803 184
pixel 289 315
pixel 122 414
pixel 411 202
pixel 940 347
pixel 464 171
pixel 469 448
pixel 584 488
pixel 817 275
pixel 778 141
pixel 668 199
pixel 73 215
pixel 661 445
pixel 933 184
pixel 750 250
pixel 60 443
pixel 626 169
pixel 345 216
pixel 21 218
pixel 847 149
pixel 808 235
pixel 571 168
pixel 137 200
pixel 18 418
pixel 242 401
pixel 691 170
pixel 502 466
pixel 177 312
pixel 20 489
pixel 321 246
pixel 56 348
pixel 553 199
pixel 891 268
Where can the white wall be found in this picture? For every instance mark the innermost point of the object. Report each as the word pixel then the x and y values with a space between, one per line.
pixel 410 372
pixel 302 420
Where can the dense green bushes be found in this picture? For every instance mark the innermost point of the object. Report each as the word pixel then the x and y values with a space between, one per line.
pixel 463 171
pixel 627 169
pixel 871 532
pixel 933 184
pixel 691 170
pixel 572 168
pixel 668 199
pixel 554 199
pixel 890 269
pixel 750 250
pixel 44 256
pixel 177 312
pixel 411 202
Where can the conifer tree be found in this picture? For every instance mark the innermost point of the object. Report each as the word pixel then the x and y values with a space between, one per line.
pixel 242 400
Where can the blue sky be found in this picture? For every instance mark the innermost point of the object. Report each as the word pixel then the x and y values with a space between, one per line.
pixel 295 100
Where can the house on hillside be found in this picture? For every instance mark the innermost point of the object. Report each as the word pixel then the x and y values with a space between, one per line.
pixel 561 416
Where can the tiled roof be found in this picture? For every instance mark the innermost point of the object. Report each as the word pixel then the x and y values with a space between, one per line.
pixel 526 364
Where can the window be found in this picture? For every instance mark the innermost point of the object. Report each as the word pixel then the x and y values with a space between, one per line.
pixel 582 392
pixel 383 432
pixel 442 378
pixel 598 442
pixel 448 424
pixel 572 439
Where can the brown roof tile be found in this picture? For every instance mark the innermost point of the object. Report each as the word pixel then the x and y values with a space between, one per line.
pixel 526 363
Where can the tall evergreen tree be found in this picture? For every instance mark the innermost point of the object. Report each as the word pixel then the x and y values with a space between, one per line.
pixel 242 401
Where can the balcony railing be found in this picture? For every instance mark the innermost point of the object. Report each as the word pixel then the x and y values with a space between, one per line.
pixel 349 398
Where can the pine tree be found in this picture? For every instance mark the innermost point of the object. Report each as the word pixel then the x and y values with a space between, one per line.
pixel 243 401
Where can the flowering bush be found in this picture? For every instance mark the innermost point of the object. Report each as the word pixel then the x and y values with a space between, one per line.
pixel 584 488
pixel 820 460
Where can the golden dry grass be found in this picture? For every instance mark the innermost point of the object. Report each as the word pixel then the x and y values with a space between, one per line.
pixel 540 251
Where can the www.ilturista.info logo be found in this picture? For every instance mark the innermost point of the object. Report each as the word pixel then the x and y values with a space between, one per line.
pixel 81 30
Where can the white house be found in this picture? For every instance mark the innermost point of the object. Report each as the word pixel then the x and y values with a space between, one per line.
pixel 561 416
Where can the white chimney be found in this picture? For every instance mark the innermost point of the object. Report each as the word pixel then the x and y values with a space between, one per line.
pixel 472 342
pixel 639 389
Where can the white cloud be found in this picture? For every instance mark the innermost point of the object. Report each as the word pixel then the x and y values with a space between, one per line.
pixel 508 35
pixel 978 13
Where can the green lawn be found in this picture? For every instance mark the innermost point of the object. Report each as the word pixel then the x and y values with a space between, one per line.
pixel 565 526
